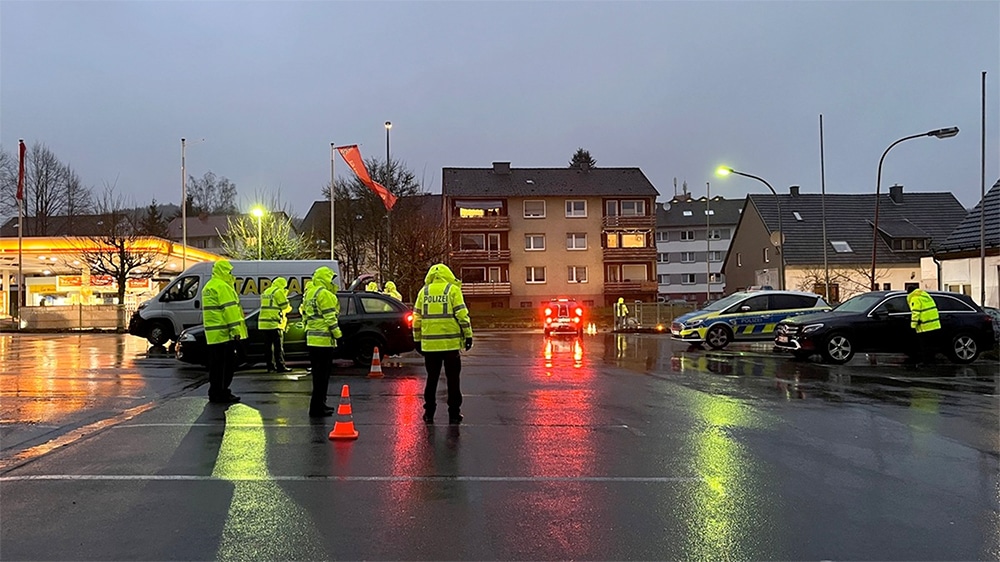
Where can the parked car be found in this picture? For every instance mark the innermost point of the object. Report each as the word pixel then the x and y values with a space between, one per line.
pixel 563 316
pixel 879 322
pixel 366 319
pixel 743 316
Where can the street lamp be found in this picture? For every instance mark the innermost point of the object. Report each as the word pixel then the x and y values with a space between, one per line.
pixel 388 125
pixel 939 133
pixel 780 244
pixel 388 177
pixel 184 222
pixel 259 213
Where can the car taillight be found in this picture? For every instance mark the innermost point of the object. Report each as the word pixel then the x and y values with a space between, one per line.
pixel 409 319
pixel 579 311
pixel 548 311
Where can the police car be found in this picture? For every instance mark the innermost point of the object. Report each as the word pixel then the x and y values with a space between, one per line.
pixel 743 316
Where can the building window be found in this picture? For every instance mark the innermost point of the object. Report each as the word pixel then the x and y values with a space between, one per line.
pixel 526 304
pixel 687 279
pixel 577 274
pixel 634 208
pixel 841 246
pixel 739 259
pixel 663 257
pixel 494 275
pixel 473 274
pixel 576 208
pixel 534 274
pixel 687 235
pixel 710 212
pixel 576 241
pixel 767 255
pixel 633 240
pixel 534 242
pixel 687 257
pixel 820 289
pixel 534 209
pixel 472 242
pixel 663 236
pixel 886 286
pixel 663 279
pixel 798 217
pixel 688 213
pixel 715 234
pixel 634 272
pixel 714 256
pixel 715 278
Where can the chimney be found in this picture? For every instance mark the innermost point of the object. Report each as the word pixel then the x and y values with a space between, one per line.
pixel 896 193
pixel 501 168
pixel 794 190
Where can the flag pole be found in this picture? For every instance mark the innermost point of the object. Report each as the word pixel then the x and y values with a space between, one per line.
pixel 333 154
pixel 21 299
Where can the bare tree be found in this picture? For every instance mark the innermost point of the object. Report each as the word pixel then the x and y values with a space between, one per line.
pixel 8 184
pixel 211 194
pixel 422 242
pixel 78 199
pixel 51 189
pixel 117 250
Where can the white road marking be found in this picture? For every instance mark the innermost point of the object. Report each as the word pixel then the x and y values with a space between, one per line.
pixel 333 478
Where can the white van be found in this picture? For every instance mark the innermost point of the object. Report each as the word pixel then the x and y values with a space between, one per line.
pixel 178 305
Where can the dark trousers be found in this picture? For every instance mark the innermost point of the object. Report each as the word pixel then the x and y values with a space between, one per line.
pixel 924 347
pixel 321 360
pixel 221 368
pixel 452 362
pixel 274 348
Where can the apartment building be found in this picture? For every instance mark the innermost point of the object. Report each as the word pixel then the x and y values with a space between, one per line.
pixel 522 236
pixel 692 238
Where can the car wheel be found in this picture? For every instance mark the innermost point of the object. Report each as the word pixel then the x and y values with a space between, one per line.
pixel 160 333
pixel 718 337
pixel 838 349
pixel 963 348
pixel 364 350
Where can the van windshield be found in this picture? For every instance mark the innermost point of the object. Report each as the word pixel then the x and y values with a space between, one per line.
pixel 185 288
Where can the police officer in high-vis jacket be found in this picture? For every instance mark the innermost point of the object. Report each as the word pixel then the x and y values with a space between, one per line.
pixel 925 322
pixel 222 316
pixel 441 327
pixel 272 323
pixel 320 310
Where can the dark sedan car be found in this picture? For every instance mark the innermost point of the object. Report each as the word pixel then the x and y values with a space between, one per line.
pixel 879 322
pixel 367 320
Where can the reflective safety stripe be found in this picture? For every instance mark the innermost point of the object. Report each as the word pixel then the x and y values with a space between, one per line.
pixel 768 328
pixel 443 336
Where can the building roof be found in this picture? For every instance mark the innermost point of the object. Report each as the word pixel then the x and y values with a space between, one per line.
pixel 724 212
pixel 427 205
pixel 198 226
pixel 62 225
pixel 966 234
pixel 849 219
pixel 504 181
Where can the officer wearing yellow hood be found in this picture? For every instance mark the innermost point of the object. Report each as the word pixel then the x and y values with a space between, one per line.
pixel 390 289
pixel 225 326
pixel 320 309
pixel 442 327
pixel 272 322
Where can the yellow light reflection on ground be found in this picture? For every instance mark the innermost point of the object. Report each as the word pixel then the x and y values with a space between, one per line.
pixel 252 531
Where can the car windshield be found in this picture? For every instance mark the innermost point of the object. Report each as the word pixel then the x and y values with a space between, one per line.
pixel 860 303
pixel 723 303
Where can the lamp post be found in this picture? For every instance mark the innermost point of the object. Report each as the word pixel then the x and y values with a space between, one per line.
pixel 725 171
pixel 259 213
pixel 184 222
pixel 388 178
pixel 939 133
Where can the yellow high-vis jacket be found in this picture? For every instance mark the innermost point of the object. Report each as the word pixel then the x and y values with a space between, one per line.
pixel 221 312
pixel 440 318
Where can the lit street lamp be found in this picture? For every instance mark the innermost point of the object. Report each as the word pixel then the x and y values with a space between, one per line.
pixel 259 213
pixel 939 133
pixel 780 244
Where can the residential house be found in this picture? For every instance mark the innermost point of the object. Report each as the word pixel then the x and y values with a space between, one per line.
pixel 523 236
pixel 692 238
pixel 910 227
pixel 958 264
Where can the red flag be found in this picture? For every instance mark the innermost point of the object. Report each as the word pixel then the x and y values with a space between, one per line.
pixel 20 172
pixel 352 156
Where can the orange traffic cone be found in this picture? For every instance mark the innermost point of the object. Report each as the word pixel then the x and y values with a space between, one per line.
pixel 376 370
pixel 344 427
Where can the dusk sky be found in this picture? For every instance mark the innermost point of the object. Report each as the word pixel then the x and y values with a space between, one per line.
pixel 674 88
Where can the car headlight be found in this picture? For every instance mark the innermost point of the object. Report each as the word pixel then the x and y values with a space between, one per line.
pixel 186 336
pixel 142 306
pixel 811 328
pixel 693 323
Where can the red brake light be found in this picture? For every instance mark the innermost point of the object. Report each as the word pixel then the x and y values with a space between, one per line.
pixel 409 319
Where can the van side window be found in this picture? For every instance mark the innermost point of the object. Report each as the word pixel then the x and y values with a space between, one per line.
pixel 184 289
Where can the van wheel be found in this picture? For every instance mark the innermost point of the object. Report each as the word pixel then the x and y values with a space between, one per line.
pixel 364 350
pixel 160 333
pixel 718 337
pixel 963 349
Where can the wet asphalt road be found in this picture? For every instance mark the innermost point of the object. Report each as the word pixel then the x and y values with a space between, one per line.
pixel 613 447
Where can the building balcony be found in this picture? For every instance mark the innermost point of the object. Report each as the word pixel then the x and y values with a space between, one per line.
pixel 486 289
pixel 626 287
pixel 630 222
pixel 629 254
pixel 480 224
pixel 468 256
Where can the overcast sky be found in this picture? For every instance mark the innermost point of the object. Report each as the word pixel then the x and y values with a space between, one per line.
pixel 674 88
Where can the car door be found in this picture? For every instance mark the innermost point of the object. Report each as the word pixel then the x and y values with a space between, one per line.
pixel 887 327
pixel 747 317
